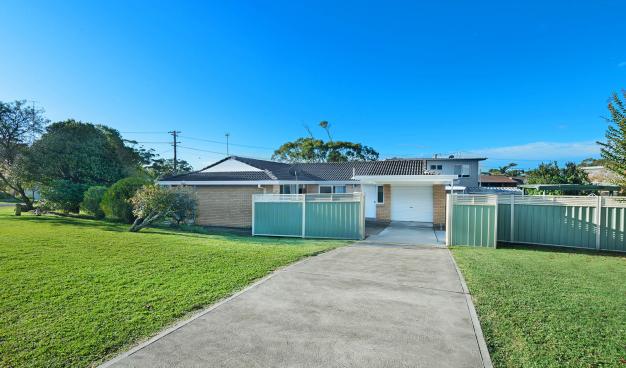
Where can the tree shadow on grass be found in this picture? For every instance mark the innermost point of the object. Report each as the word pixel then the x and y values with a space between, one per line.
pixel 561 249
pixel 192 231
pixel 56 220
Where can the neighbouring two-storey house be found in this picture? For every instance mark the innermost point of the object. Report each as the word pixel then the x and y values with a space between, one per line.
pixel 395 190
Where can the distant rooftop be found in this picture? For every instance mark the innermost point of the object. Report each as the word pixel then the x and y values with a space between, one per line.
pixel 439 158
pixel 571 187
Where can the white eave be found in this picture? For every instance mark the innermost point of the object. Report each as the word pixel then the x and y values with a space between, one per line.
pixel 253 182
pixel 405 179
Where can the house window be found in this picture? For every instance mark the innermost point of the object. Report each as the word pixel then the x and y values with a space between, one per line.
pixel 462 171
pixel 436 167
pixel 380 194
pixel 292 189
pixel 328 189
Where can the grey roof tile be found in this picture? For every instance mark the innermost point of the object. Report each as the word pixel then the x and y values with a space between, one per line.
pixel 332 171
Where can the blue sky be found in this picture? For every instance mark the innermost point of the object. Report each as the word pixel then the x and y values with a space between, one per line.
pixel 520 81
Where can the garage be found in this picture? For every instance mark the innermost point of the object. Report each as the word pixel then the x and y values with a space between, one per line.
pixel 412 203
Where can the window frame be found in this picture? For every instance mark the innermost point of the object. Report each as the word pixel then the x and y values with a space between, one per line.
pixel 333 188
pixel 380 190
pixel 345 189
pixel 319 189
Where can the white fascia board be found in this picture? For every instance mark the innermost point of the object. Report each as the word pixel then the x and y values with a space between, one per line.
pixel 257 182
pixel 391 179
pixel 456 187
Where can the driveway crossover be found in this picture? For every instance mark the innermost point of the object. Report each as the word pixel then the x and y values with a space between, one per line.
pixel 357 306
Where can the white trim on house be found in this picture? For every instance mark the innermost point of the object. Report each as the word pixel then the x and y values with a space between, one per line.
pixel 231 165
pixel 255 182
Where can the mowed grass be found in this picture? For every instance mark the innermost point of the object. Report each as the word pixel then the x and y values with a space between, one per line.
pixel 542 307
pixel 74 292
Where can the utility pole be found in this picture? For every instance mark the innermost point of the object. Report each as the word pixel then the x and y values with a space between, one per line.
pixel 175 134
pixel 227 151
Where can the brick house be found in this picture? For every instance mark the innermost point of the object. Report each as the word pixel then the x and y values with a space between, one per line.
pixel 395 190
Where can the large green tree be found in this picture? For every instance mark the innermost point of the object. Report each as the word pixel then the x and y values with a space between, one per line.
pixel 613 151
pixel 19 125
pixel 76 155
pixel 82 153
pixel 316 150
pixel 311 149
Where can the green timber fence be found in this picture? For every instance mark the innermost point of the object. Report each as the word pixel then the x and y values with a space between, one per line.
pixel 597 223
pixel 336 216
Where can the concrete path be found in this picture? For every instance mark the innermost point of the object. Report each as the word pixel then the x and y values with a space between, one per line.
pixel 409 233
pixel 358 306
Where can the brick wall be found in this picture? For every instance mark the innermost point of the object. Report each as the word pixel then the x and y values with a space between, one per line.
pixel 439 205
pixel 229 206
pixel 383 210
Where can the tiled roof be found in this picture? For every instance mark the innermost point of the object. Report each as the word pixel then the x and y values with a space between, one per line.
pixel 334 171
pixel 497 179
pixel 222 176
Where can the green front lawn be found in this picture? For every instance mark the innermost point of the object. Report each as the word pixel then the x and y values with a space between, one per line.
pixel 74 292
pixel 548 308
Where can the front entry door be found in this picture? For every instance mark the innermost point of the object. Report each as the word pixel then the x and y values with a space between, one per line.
pixel 370 200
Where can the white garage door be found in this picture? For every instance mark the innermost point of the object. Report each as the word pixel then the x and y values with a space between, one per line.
pixel 412 203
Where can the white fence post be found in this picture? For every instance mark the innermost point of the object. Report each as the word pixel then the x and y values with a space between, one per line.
pixel 495 223
pixel 303 215
pixel 512 218
pixel 449 198
pixel 362 214
pixel 253 205
pixel 598 222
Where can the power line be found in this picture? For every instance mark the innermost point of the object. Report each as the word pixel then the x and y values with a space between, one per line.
pixel 202 150
pixel 231 144
pixel 144 132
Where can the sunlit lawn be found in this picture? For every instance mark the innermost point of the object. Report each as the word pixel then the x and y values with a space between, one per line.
pixel 74 292
pixel 548 308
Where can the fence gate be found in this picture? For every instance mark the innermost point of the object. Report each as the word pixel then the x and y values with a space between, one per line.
pixel 336 216
pixel 472 220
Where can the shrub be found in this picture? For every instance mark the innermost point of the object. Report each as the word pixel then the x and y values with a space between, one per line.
pixel 153 203
pixel 116 201
pixel 91 201
pixel 64 195
pixel 185 205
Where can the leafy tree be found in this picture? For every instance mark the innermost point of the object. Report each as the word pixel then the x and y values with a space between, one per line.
pixel 591 162
pixel 153 203
pixel 64 195
pixel 116 201
pixel 184 205
pixel 19 124
pixel 92 200
pixel 161 167
pixel 316 150
pixel 311 149
pixel 551 173
pixel 613 151
pixel 505 170
pixel 81 153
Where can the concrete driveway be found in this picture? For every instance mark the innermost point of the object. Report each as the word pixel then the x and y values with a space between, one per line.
pixel 358 306
pixel 409 233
